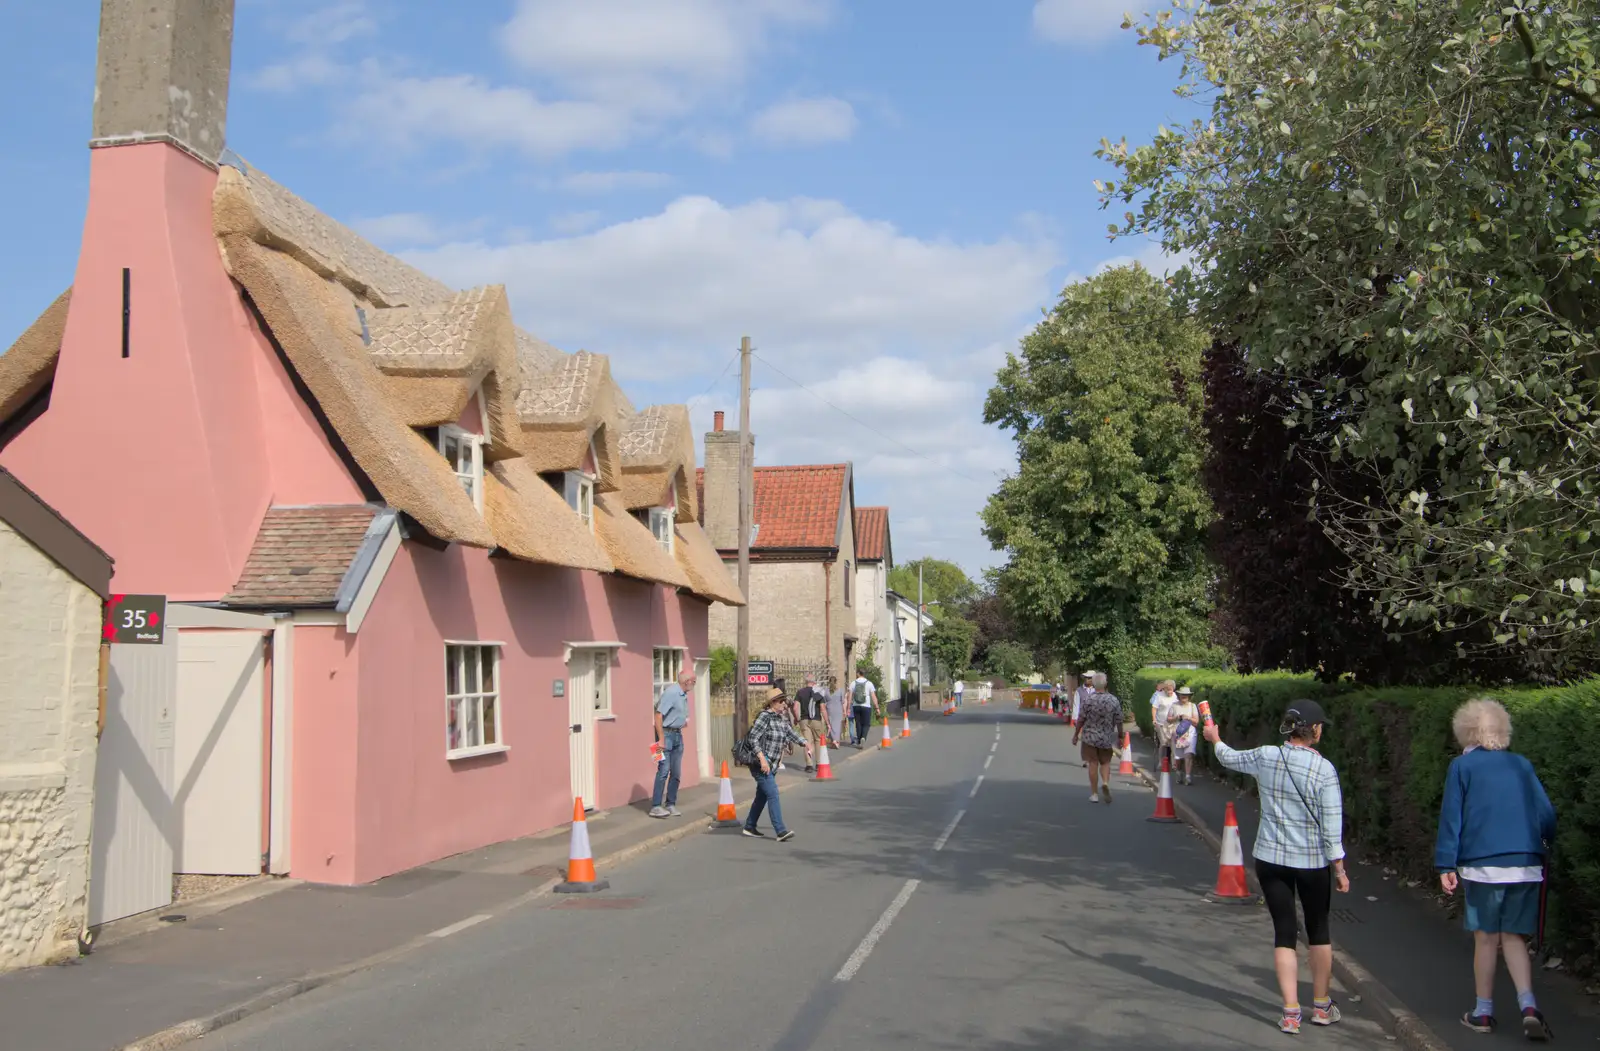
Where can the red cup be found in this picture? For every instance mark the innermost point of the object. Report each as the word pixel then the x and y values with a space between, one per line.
pixel 1205 711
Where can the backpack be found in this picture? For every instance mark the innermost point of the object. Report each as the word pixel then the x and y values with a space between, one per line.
pixel 858 694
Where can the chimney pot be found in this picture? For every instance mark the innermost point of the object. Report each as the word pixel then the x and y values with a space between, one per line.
pixel 717 419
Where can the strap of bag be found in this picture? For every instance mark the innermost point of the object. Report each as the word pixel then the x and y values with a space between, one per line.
pixel 1288 767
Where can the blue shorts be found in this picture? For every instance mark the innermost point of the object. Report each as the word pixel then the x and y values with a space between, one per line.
pixel 1502 908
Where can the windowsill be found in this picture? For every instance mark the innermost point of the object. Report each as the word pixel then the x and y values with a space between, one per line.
pixel 605 717
pixel 473 753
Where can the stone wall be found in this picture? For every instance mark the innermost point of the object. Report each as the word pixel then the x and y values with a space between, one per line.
pixel 786 611
pixel 49 704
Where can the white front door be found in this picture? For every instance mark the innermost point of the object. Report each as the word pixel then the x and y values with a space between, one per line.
pixel 700 715
pixel 219 751
pixel 130 848
pixel 588 683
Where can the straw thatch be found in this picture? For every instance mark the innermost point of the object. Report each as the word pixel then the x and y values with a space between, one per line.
pixel 709 578
pixel 633 548
pixel 657 456
pixel 531 521
pixel 29 366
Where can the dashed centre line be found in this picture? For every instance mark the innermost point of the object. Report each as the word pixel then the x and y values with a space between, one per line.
pixel 989 760
pixel 975 787
pixel 949 829
pixel 859 957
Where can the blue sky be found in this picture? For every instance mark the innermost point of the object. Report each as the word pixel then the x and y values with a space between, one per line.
pixel 882 194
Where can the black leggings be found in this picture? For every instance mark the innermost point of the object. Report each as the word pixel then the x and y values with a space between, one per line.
pixel 1279 885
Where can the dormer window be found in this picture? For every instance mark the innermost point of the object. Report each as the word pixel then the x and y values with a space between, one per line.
pixel 463 451
pixel 579 491
pixel 662 521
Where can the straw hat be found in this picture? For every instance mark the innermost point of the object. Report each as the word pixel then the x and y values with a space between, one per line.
pixel 775 694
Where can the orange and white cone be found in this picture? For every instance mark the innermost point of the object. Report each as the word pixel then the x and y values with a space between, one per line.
pixel 1165 811
pixel 824 764
pixel 727 813
pixel 1127 754
pixel 581 878
pixel 887 742
pixel 1232 886
pixel 905 725
pixel 949 706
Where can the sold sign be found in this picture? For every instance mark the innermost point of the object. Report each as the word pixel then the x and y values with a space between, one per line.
pixel 135 620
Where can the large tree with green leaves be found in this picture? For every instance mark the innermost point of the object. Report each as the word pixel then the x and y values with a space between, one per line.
pixel 1104 522
pixel 943 582
pixel 1394 206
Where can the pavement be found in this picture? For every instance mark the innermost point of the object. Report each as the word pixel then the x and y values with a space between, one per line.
pixel 1405 939
pixel 956 891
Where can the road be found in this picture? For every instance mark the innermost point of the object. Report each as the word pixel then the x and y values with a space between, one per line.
pixel 958 891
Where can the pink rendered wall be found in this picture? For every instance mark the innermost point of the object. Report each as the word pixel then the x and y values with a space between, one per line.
pixel 160 456
pixel 322 775
pixel 471 419
pixel 411 805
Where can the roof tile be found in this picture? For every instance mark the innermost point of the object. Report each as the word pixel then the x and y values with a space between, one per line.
pixel 301 555
pixel 872 533
pixel 795 506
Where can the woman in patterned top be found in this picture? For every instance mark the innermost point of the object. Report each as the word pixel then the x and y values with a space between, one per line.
pixel 769 735
pixel 1299 850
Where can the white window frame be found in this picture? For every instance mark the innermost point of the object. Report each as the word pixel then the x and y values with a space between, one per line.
pixel 604 663
pixel 465 704
pixel 468 465
pixel 668 661
pixel 580 496
pixel 663 520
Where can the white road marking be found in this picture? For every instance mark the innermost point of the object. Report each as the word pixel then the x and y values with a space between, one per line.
pixel 994 747
pixel 975 787
pixel 456 928
pixel 989 760
pixel 945 838
pixel 859 957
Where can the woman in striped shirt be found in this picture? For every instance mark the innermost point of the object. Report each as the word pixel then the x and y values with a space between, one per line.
pixel 1299 850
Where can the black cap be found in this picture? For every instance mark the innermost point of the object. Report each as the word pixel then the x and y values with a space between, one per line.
pixel 1304 713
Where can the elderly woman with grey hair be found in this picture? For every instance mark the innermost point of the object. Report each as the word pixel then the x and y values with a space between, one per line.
pixel 1494 827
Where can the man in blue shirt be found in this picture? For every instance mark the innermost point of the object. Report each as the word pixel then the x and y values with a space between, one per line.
pixel 672 715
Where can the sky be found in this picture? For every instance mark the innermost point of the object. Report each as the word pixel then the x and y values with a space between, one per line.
pixel 882 194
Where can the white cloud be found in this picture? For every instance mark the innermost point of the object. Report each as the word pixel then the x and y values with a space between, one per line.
pixel 610 182
pixel 1079 21
pixel 649 55
pixel 317 36
pixel 568 223
pixel 334 24
pixel 467 110
pixel 805 122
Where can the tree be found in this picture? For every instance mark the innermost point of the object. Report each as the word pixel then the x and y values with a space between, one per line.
pixel 1010 660
pixel 950 643
pixel 867 662
pixel 1104 522
pixel 1391 208
pixel 942 582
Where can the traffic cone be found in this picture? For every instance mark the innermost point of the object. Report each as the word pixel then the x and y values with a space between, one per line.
pixel 905 726
pixel 1232 887
pixel 580 859
pixel 887 742
pixel 949 706
pixel 1165 812
pixel 1127 754
pixel 824 764
pixel 727 813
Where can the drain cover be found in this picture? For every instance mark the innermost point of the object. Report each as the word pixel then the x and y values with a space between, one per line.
pixel 1345 916
pixel 598 903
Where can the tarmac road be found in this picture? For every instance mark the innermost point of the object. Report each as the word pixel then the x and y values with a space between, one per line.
pixel 958 891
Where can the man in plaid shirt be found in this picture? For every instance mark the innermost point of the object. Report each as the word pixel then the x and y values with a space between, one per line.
pixel 769 735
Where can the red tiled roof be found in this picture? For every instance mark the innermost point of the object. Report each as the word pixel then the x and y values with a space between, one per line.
pixel 301 555
pixel 872 533
pixel 795 506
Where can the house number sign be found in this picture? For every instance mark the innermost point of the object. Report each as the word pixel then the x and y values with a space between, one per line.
pixel 135 620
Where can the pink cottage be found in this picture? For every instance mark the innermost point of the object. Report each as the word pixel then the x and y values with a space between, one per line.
pixel 425 572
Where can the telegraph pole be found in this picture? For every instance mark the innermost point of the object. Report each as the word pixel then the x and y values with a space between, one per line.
pixel 921 664
pixel 741 681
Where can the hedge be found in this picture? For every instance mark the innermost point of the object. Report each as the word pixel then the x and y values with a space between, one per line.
pixel 1392 747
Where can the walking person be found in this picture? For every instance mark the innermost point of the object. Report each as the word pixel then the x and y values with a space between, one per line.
pixel 863 700
pixel 672 715
pixel 810 706
pixel 959 686
pixel 1495 827
pixel 1084 691
pixel 1099 729
pixel 1183 716
pixel 835 711
pixel 769 736
pixel 1299 850
pixel 1161 706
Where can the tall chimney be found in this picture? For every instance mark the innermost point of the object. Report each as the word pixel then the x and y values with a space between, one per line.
pixel 720 508
pixel 163 74
pixel 716 421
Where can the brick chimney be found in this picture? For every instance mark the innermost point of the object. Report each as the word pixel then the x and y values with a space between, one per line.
pixel 163 74
pixel 716 421
pixel 721 505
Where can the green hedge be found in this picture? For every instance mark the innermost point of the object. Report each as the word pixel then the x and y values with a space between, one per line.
pixel 1392 747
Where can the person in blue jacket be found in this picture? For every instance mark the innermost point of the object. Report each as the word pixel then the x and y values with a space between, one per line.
pixel 1495 827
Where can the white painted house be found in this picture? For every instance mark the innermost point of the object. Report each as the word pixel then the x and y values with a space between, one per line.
pixel 874 560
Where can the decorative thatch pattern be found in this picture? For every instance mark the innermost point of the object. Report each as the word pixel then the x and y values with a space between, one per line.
pixel 632 547
pixel 29 366
pixel 709 578
pixel 658 453
pixel 452 338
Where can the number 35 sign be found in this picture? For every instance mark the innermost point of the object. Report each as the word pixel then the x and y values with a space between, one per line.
pixel 135 619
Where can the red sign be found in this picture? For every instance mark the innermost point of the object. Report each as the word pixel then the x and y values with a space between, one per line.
pixel 135 620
